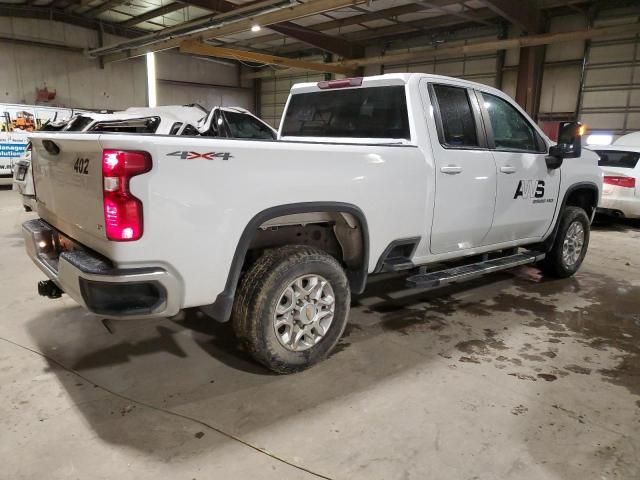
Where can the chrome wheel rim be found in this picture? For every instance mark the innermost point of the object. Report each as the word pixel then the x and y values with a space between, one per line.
pixel 304 312
pixel 573 244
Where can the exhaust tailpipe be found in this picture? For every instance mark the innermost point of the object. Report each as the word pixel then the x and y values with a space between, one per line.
pixel 49 289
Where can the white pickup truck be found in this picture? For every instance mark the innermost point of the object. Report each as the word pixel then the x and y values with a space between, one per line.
pixel 439 177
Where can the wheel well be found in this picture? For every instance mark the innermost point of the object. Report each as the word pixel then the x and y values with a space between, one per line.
pixel 338 233
pixel 585 198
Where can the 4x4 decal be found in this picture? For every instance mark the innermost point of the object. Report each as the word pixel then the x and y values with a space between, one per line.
pixel 188 155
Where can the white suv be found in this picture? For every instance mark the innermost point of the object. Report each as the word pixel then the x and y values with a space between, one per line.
pixel 621 180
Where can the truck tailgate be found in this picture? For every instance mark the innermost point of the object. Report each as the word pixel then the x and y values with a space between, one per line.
pixel 67 173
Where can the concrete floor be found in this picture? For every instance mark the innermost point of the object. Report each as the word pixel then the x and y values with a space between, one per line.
pixel 512 376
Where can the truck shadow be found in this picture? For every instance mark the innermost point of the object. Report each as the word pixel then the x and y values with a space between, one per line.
pixel 193 366
pixel 610 223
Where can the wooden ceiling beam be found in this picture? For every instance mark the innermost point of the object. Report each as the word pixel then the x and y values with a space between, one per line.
pixel 195 47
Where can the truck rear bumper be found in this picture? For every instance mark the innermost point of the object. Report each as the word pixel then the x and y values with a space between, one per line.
pixel 93 282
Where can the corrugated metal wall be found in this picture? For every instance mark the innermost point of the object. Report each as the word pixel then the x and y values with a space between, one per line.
pixel 80 83
pixel 610 97
pixel 478 68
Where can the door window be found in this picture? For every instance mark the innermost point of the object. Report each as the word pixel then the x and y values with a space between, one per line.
pixel 511 131
pixel 246 126
pixel 190 131
pixel 456 115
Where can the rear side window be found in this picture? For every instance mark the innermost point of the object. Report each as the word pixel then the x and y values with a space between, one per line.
pixel 458 124
pixel 618 159
pixel 376 112
pixel 175 128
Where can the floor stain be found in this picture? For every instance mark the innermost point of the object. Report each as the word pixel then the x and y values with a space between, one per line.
pixel 519 410
pixel 578 369
pixel 593 309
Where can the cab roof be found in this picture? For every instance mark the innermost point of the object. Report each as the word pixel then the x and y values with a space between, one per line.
pixel 390 79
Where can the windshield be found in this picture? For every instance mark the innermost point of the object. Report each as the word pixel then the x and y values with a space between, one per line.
pixel 376 112
pixel 242 125
pixel 620 159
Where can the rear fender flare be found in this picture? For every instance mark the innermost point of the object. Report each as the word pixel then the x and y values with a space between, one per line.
pixel 221 308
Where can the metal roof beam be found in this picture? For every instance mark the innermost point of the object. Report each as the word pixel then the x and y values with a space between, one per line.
pixel 525 14
pixel 476 48
pixel 151 14
pixel 328 43
pixel 44 13
pixel 223 29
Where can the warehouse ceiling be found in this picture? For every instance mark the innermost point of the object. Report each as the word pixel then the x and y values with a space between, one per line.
pixel 341 28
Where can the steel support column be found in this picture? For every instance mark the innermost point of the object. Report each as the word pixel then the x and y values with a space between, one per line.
pixel 529 84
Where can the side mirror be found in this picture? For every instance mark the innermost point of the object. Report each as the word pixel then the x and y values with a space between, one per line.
pixel 569 144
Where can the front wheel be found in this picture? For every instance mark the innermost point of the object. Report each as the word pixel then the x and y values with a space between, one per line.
pixel 570 245
pixel 291 307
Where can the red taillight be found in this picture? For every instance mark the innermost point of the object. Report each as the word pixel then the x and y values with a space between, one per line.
pixel 626 182
pixel 345 83
pixel 29 147
pixel 122 211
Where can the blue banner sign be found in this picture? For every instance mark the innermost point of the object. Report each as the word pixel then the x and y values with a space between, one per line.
pixel 12 150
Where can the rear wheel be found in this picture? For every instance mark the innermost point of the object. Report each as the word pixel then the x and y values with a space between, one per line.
pixel 291 307
pixel 570 245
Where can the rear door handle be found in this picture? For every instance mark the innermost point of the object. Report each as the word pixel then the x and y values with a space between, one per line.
pixel 508 169
pixel 451 169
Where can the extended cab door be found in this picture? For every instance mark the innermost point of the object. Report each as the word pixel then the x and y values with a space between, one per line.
pixel 465 170
pixel 527 189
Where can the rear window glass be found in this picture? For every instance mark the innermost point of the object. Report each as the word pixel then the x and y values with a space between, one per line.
pixel 377 112
pixel 618 159
pixel 137 125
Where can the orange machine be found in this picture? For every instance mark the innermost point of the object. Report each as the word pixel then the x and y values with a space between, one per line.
pixel 24 121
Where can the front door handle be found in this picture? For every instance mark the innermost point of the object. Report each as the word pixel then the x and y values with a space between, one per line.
pixel 451 169
pixel 508 169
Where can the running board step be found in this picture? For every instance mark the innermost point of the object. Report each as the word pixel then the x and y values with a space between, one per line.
pixel 474 270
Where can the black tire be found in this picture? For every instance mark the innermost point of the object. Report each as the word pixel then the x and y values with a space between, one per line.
pixel 259 293
pixel 554 264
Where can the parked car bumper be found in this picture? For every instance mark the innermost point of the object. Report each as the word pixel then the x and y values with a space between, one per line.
pixel 6 178
pixel 622 207
pixel 93 281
